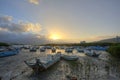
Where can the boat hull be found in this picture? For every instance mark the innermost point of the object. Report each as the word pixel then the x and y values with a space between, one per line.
pixel 70 58
pixel 8 53
pixel 41 66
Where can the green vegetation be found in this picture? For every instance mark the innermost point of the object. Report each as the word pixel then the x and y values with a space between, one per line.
pixel 84 44
pixel 114 51
pixel 3 44
pixel 73 63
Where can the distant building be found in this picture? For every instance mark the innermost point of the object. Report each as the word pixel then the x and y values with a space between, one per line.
pixel 82 42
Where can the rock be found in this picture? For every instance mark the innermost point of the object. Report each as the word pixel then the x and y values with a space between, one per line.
pixel 73 78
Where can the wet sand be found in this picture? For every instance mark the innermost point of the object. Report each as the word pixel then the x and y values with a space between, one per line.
pixel 86 68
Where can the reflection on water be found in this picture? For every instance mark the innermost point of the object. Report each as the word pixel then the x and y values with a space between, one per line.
pixel 86 68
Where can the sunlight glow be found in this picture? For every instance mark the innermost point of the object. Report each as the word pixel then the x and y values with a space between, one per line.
pixel 55 37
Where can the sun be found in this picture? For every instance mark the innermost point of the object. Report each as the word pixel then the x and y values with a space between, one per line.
pixel 55 37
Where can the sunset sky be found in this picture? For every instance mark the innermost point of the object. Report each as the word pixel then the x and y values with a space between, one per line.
pixel 65 20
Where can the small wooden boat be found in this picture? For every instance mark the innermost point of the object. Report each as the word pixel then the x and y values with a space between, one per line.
pixel 91 53
pixel 53 50
pixel 42 49
pixel 68 50
pixel 69 57
pixel 33 49
pixel 80 50
pixel 40 65
pixel 11 52
pixel 48 47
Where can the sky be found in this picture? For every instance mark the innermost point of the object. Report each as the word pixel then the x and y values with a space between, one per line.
pixel 41 21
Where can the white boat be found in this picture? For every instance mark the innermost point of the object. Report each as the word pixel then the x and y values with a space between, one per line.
pixel 41 64
pixel 1 49
pixel 92 53
pixel 69 57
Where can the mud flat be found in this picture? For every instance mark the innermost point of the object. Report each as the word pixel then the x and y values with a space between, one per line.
pixel 13 66
pixel 86 68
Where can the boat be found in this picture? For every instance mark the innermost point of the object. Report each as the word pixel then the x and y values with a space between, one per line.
pixel 37 47
pixel 61 47
pixel 8 52
pixel 40 64
pixel 80 50
pixel 25 47
pixel 91 53
pixel 48 47
pixel 42 49
pixel 70 57
pixel 53 50
pixel 68 50
pixel 33 49
pixel 100 48
pixel 2 49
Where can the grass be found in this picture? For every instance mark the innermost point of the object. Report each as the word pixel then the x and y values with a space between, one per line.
pixel 114 51
pixel 73 63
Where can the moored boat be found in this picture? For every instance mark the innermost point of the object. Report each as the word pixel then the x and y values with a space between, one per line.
pixel 42 49
pixel 53 50
pixel 91 53
pixel 69 57
pixel 40 64
pixel 33 49
pixel 69 50
pixel 48 47
pixel 80 50
pixel 8 52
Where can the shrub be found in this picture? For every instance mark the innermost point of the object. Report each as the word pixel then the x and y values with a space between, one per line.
pixel 3 44
pixel 114 51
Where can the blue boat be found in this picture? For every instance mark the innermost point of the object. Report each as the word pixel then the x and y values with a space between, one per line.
pixel 6 53
pixel 97 48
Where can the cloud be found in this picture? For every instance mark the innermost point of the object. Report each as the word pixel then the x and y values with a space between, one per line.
pixel 21 38
pixel 5 19
pixel 6 22
pixel 36 2
pixel 21 33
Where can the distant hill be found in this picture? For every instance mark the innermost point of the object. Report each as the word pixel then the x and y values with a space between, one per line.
pixel 111 40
